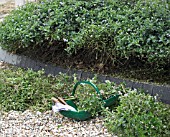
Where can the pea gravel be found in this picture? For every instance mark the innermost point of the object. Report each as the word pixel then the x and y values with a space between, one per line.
pixel 37 124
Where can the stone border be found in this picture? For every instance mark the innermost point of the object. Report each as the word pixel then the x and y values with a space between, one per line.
pixel 22 61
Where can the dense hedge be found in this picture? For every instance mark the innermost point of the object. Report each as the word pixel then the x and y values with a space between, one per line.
pixel 111 29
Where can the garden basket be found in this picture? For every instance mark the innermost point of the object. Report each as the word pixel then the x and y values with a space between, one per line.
pixel 84 115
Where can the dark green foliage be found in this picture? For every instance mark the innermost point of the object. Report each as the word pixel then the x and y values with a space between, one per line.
pixel 111 30
pixel 139 115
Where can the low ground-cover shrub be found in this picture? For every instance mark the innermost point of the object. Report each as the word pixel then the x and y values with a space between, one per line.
pixel 25 89
pixel 21 90
pixel 110 30
pixel 139 115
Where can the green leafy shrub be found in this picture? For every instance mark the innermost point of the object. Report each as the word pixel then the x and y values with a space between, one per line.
pixel 139 115
pixel 26 89
pixel 110 30
pixel 21 90
pixel 90 101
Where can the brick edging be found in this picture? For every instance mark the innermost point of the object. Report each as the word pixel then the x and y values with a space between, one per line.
pixel 22 61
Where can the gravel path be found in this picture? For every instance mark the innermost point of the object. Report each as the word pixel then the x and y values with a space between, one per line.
pixel 5 7
pixel 37 124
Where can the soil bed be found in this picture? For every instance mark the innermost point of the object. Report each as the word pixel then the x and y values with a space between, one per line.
pixel 132 69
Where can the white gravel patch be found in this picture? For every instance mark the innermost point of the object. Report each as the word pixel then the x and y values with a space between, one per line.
pixel 37 124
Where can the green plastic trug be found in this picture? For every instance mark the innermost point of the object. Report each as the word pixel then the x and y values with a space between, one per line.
pixel 84 115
